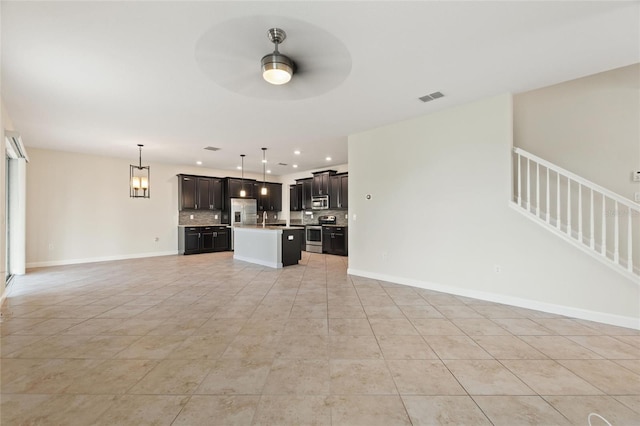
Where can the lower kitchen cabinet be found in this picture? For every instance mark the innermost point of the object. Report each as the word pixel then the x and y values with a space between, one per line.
pixel 335 240
pixel 202 239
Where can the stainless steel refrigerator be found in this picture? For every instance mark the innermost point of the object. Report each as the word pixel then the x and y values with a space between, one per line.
pixel 244 211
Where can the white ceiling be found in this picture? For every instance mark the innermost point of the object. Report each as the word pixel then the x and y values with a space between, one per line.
pixel 102 77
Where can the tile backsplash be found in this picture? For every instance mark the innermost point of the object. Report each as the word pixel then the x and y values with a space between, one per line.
pixel 200 217
pixel 341 216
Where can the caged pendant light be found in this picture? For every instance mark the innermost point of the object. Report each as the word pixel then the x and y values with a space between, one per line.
pixel 139 178
pixel 263 191
pixel 243 193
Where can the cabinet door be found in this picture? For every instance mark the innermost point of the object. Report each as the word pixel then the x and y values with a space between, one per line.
pixel 203 188
pixel 275 197
pixel 206 238
pixel 334 193
pixel 343 202
pixel 306 194
pixel 320 184
pixel 294 197
pixel 217 198
pixel 221 240
pixel 187 192
pixel 191 242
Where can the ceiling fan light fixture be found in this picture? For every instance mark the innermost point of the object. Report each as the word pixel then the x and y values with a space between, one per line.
pixel 277 69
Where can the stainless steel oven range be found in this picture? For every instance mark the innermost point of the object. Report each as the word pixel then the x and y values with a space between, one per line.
pixel 313 233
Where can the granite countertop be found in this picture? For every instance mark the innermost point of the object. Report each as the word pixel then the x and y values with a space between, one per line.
pixel 206 224
pixel 267 226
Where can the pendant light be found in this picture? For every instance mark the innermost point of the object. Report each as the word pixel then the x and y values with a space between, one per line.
pixel 139 178
pixel 263 191
pixel 243 193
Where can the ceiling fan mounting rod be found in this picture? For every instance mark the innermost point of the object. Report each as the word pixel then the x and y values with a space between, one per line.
pixel 277 36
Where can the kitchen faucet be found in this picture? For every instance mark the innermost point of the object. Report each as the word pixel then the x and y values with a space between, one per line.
pixel 264 217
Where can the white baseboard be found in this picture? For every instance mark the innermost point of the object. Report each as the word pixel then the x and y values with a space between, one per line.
pixel 99 259
pixel 602 317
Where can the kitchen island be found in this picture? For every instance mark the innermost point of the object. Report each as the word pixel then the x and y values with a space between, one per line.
pixel 272 246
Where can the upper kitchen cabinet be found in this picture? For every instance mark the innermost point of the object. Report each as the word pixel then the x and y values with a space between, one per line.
pixel 339 191
pixel 234 186
pixel 321 183
pixel 305 193
pixel 295 197
pixel 273 200
pixel 200 193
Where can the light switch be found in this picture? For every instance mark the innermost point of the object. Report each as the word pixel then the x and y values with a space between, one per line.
pixel 636 177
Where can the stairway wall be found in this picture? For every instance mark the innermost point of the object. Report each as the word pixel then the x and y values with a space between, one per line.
pixel 588 126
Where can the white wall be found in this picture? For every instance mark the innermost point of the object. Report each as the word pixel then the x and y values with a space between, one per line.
pixel 79 210
pixel 446 177
pixel 589 126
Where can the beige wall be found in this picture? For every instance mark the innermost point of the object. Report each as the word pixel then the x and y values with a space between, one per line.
pixel 5 124
pixel 447 178
pixel 79 210
pixel 589 126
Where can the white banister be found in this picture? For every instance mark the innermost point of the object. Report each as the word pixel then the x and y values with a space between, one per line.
pixel 558 204
pixel 569 207
pixel 580 212
pixel 519 181
pixel 616 235
pixel 609 246
pixel 629 243
pixel 548 196
pixel 592 241
pixel 603 241
pixel 538 189
pixel 528 184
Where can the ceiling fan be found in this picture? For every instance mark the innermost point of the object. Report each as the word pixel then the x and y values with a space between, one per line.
pixel 230 54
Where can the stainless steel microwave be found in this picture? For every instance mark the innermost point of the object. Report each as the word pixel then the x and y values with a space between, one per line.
pixel 320 203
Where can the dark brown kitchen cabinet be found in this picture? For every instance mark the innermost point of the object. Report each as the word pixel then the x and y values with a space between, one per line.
pixel 272 201
pixel 305 193
pixel 321 182
pixel 339 192
pixel 335 240
pixel 203 239
pixel 200 193
pixel 295 195
pixel 234 186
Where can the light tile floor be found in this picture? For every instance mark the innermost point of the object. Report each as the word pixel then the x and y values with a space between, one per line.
pixel 206 340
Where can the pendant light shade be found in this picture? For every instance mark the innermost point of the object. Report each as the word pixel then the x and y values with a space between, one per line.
pixel 277 68
pixel 243 193
pixel 139 178
pixel 263 191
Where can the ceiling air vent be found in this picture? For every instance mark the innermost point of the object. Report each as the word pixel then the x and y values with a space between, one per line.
pixel 282 164
pixel 431 97
pixel 212 148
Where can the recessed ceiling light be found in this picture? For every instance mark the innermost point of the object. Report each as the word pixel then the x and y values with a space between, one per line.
pixel 296 152
pixel 199 163
pixel 239 167
pixel 268 171
pixel 295 166
pixel 328 158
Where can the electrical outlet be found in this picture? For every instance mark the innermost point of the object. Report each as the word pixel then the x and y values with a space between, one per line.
pixel 346 216
pixel 191 216
pixel 215 216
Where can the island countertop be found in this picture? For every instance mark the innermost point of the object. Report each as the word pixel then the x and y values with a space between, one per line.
pixel 273 246
pixel 268 227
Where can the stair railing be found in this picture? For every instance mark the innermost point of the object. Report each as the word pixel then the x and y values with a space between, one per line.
pixel 597 220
